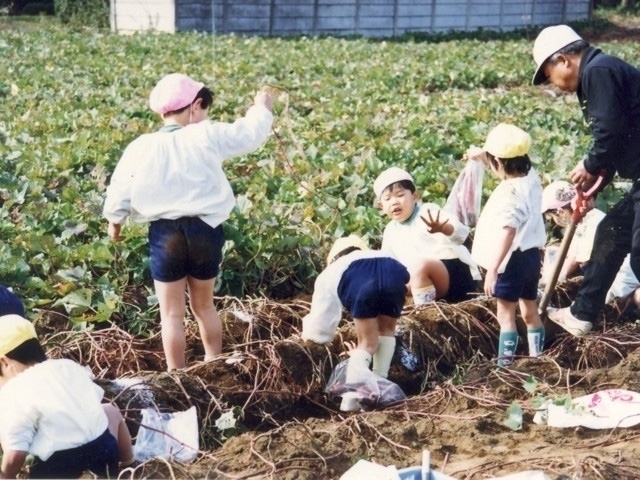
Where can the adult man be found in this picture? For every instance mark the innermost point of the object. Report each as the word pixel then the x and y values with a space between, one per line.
pixel 609 93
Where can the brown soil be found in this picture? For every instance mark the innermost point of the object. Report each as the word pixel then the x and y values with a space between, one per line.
pixel 289 428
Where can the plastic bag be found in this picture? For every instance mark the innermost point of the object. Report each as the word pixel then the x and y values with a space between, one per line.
pixel 614 408
pixel 371 392
pixel 167 435
pixel 466 195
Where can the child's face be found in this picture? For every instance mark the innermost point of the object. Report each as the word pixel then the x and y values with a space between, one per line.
pixel 398 203
pixel 561 216
pixel 497 168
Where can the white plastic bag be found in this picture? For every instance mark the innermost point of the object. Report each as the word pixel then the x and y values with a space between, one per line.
pixel 466 195
pixel 372 391
pixel 614 408
pixel 172 436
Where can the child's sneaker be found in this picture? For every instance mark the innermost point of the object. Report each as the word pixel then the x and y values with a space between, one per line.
pixel 573 325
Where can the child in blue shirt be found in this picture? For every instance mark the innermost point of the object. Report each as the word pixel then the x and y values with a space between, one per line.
pixel 509 237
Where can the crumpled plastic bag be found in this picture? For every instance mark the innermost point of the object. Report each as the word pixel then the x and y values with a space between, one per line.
pixel 614 408
pixel 171 436
pixel 465 197
pixel 371 392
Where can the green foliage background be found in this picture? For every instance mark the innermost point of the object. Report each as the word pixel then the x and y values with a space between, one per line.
pixel 70 102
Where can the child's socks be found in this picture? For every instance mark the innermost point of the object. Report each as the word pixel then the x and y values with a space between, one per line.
pixel 507 347
pixel 423 295
pixel 359 360
pixel 535 337
pixel 382 357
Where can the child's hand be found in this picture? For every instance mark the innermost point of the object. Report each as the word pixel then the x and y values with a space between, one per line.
pixel 264 99
pixel 114 232
pixel 435 225
pixel 490 279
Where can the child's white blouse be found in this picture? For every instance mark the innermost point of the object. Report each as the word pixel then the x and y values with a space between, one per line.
pixel 173 174
pixel 411 243
pixel 51 406
pixel 516 202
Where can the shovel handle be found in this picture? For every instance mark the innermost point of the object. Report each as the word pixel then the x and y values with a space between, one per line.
pixel 577 216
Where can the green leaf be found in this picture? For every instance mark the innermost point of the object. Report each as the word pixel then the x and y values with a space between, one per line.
pixel 514 417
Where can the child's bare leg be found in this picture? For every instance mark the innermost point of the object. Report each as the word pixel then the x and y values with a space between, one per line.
pixel 171 297
pixel 430 280
pixel 386 345
pixel 535 328
pixel 118 428
pixel 201 301
pixel 508 341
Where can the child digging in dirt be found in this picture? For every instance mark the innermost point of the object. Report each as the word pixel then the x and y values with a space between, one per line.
pixel 557 198
pixel 372 286
pixel 425 240
pixel 509 237
pixel 173 178
pixel 52 410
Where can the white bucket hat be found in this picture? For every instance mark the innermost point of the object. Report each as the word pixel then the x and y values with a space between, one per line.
pixel 549 41
pixel 341 244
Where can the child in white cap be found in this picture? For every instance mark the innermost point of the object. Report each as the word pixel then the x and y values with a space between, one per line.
pixel 372 286
pixel 173 179
pixel 426 240
pixel 557 198
pixel 509 237
pixel 52 410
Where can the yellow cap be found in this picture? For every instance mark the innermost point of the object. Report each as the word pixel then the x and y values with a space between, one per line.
pixel 14 331
pixel 507 141
pixel 343 243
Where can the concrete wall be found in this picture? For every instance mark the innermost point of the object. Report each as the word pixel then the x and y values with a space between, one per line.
pixel 373 18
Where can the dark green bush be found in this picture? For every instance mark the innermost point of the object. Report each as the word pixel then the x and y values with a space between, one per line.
pixel 83 13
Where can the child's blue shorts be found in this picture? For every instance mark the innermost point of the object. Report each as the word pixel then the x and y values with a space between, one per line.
pixel 10 303
pixel 521 276
pixel 184 247
pixel 374 286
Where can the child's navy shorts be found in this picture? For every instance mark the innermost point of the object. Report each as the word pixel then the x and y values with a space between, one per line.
pixel 99 455
pixel 461 282
pixel 10 303
pixel 521 276
pixel 374 286
pixel 185 246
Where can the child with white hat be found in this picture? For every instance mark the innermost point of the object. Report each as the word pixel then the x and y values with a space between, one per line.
pixel 52 410
pixel 173 179
pixel 372 287
pixel 509 237
pixel 426 240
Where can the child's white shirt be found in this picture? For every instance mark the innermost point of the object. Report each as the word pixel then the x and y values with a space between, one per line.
pixel 321 323
pixel 582 243
pixel 51 406
pixel 625 282
pixel 172 174
pixel 410 242
pixel 514 203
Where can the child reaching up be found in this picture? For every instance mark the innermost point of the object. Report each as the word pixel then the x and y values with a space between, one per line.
pixel 426 240
pixel 372 286
pixel 509 237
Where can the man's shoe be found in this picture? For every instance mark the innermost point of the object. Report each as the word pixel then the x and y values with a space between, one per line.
pixel 564 318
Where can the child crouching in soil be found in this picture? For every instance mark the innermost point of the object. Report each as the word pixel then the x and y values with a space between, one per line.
pixel 372 286
pixel 509 237
pixel 52 410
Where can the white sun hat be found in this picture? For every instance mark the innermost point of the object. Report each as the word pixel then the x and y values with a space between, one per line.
pixel 341 244
pixel 557 194
pixel 388 177
pixel 549 41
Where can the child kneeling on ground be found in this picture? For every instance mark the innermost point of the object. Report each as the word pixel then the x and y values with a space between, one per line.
pixel 52 410
pixel 372 286
pixel 509 237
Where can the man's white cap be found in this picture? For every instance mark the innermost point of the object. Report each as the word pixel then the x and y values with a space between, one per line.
pixel 557 194
pixel 388 177
pixel 341 244
pixel 507 141
pixel 549 41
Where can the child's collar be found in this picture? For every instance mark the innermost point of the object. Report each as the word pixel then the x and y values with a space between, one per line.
pixel 414 214
pixel 170 127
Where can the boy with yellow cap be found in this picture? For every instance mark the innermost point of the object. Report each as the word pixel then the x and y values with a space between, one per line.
pixel 52 410
pixel 509 237
pixel 372 286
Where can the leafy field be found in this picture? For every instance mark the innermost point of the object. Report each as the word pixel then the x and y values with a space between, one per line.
pixel 70 101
